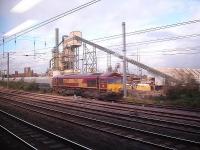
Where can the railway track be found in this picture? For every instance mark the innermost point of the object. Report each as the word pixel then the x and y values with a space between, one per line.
pixel 162 106
pixel 142 118
pixel 102 102
pixel 34 137
pixel 136 134
pixel 162 140
pixel 130 111
pixel 98 128
pixel 96 112
pixel 171 107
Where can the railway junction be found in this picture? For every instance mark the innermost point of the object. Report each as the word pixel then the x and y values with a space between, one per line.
pixel 41 121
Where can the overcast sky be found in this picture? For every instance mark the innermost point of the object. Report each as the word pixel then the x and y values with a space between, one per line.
pixel 104 19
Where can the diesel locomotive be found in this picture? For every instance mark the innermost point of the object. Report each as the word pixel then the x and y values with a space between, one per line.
pixel 101 86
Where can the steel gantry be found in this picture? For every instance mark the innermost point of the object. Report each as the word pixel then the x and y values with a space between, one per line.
pixel 89 63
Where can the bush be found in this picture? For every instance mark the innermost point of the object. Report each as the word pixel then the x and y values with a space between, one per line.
pixel 30 87
pixel 187 91
pixel 21 85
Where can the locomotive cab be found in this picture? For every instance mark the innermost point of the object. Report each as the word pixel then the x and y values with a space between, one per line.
pixel 112 83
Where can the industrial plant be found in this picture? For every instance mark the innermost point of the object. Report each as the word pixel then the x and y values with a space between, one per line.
pixel 97 74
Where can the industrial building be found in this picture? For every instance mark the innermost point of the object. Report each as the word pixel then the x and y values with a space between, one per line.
pixel 182 73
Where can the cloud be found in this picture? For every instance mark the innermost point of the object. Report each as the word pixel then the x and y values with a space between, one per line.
pixel 104 19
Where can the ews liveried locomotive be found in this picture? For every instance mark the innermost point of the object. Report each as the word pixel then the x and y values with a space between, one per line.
pixel 101 86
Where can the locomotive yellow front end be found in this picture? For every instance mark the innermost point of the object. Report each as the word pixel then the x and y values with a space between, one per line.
pixel 114 85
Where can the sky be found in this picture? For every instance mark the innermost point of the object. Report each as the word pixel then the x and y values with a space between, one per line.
pixel 100 20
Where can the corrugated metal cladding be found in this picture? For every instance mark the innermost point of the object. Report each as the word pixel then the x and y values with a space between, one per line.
pixel 181 72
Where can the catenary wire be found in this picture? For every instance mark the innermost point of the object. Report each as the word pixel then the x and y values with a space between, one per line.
pixel 50 20
pixel 146 30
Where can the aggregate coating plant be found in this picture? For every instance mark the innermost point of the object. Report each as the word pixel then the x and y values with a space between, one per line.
pixel 68 59
pixel 65 63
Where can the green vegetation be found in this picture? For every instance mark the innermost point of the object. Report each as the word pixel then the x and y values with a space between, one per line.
pixel 188 102
pixel 187 94
pixel 20 85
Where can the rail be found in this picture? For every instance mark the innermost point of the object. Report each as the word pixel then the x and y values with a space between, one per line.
pixel 23 129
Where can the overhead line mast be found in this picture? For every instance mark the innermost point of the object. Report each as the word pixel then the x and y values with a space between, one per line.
pixel 124 58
